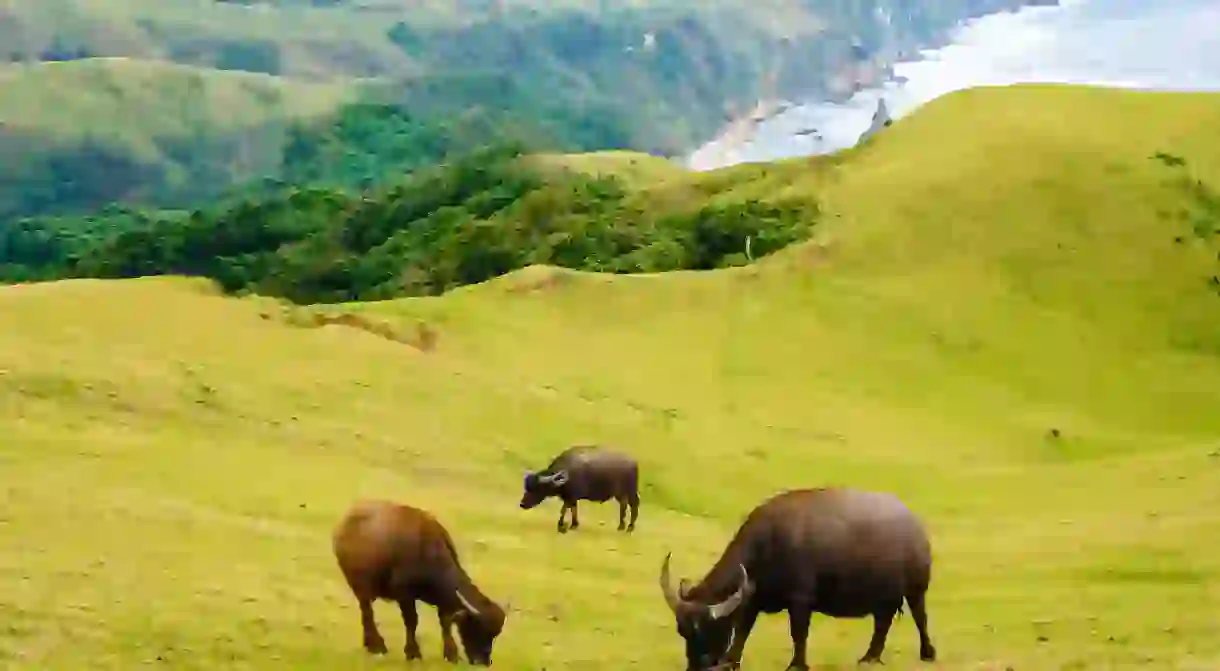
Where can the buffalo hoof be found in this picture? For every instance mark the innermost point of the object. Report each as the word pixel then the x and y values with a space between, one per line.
pixel 413 653
pixel 927 654
pixel 375 646
pixel 562 528
pixel 871 659
pixel 451 655
pixel 621 526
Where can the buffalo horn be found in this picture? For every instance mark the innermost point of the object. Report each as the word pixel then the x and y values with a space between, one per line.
pixel 730 604
pixel 467 604
pixel 557 478
pixel 667 587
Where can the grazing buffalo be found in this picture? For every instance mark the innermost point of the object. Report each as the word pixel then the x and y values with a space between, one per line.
pixel 589 473
pixel 403 554
pixel 841 552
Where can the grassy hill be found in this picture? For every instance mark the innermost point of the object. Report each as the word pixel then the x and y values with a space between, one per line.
pixel 175 459
pixel 97 98
pixel 82 134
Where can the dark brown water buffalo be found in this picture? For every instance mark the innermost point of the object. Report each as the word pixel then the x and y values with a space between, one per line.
pixel 836 551
pixel 589 473
pixel 399 553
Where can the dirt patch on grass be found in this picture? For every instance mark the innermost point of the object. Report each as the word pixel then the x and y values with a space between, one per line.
pixel 536 278
pixel 423 336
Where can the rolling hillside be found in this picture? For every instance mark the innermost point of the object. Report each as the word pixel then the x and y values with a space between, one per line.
pixel 82 134
pixel 1024 349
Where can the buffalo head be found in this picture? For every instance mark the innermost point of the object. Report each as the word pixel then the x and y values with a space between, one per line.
pixel 709 629
pixel 539 486
pixel 478 629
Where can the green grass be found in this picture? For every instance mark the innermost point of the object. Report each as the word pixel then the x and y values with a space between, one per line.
pixel 634 168
pixel 174 460
pixel 131 102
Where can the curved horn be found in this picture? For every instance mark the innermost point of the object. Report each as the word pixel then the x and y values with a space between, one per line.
pixel 667 587
pixel 465 603
pixel 731 604
pixel 557 478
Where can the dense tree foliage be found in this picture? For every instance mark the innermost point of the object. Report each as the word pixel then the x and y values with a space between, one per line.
pixel 477 216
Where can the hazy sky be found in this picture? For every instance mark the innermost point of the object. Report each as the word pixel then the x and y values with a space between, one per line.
pixel 1164 44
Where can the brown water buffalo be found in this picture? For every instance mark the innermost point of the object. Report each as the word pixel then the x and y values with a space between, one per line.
pixel 403 554
pixel 589 473
pixel 841 552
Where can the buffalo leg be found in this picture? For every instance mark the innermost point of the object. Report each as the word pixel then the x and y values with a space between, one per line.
pixel 798 627
pixel 881 629
pixel 634 502
pixel 749 616
pixel 622 513
pixel 575 516
pixel 919 613
pixel 373 642
pixel 450 645
pixel 410 621
pixel 561 527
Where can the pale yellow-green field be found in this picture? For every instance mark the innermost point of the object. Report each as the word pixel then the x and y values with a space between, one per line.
pixel 130 102
pixel 999 264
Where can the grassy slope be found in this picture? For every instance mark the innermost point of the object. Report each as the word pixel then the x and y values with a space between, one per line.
pixel 320 42
pixel 174 462
pixel 173 100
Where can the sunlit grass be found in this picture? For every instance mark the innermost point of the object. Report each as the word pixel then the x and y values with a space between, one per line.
pixel 174 460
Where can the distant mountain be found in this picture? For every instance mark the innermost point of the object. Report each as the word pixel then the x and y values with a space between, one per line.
pixel 169 102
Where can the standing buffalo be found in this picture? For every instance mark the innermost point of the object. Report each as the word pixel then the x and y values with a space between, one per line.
pixel 836 551
pixel 590 473
pixel 403 554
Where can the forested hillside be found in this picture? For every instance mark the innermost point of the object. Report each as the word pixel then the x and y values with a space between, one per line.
pixel 174 102
pixel 486 213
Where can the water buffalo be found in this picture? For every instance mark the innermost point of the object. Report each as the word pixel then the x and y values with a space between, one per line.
pixel 841 552
pixel 590 473
pixel 403 554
